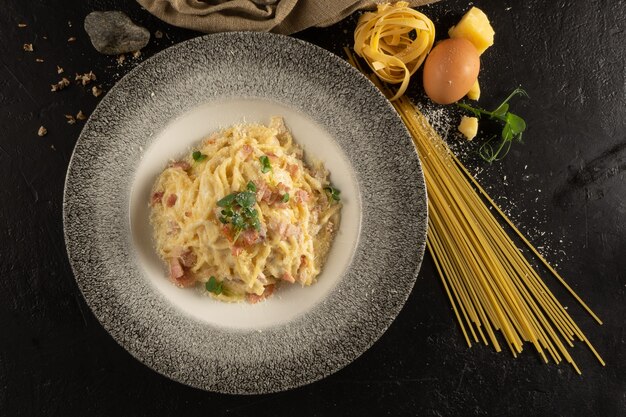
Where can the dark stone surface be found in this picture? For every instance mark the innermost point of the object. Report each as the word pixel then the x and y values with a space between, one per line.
pixel 113 33
pixel 566 181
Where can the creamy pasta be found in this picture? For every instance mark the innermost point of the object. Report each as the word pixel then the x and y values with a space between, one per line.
pixel 243 213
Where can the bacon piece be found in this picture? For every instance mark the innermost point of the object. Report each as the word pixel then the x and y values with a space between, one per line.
pixel 188 258
pixel 288 277
pixel 261 188
pixel 157 197
pixel 278 227
pixel 301 196
pixel 274 197
pixel 176 269
pixel 179 276
pixel 186 281
pixel 268 196
pixel 282 188
pixel 172 227
pixel 184 165
pixel 171 200
pixel 253 298
pixel 292 169
pixel 302 275
pixel 227 232
pixel 272 156
pixel 250 237
pixel 245 151
pixel 292 230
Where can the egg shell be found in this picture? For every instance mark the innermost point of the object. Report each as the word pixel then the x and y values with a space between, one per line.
pixel 450 70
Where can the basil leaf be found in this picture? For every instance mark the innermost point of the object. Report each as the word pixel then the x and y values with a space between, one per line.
pixel 285 197
pixel 246 198
pixel 198 156
pixel 265 164
pixel 214 286
pixel 227 201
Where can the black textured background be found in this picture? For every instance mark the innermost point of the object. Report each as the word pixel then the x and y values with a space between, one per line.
pixel 564 187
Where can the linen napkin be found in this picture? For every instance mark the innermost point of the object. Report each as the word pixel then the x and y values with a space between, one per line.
pixel 279 16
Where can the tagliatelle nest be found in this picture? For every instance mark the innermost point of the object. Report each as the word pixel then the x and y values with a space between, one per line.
pixel 394 41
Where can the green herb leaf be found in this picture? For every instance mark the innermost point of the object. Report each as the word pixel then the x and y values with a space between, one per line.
pixel 265 164
pixel 334 193
pixel 512 129
pixel 501 111
pixel 227 201
pixel 246 198
pixel 239 212
pixel 198 156
pixel 517 124
pixel 214 286
pixel 285 198
pixel 255 223
pixel 237 221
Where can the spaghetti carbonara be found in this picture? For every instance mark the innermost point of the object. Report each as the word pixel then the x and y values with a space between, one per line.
pixel 244 212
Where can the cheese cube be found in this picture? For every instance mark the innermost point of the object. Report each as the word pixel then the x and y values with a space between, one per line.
pixel 474 92
pixel 469 127
pixel 474 27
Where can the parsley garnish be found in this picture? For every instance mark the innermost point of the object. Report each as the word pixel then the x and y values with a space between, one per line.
pixel 333 192
pixel 513 127
pixel 285 197
pixel 239 212
pixel 265 164
pixel 214 286
pixel 198 156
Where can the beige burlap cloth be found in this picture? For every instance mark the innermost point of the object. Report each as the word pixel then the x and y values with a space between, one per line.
pixel 279 16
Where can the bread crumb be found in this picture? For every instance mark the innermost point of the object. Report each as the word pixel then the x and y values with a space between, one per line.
pixel 59 70
pixel 80 115
pixel 70 119
pixel 53 148
pixel 96 91
pixel 21 25
pixel 38 60
pixel 158 34
pixel 60 85
pixel 42 131
pixel 120 59
pixel 28 47
pixel 136 54
pixel 71 39
pixel 85 78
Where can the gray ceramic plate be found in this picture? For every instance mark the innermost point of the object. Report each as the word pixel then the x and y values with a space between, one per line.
pixel 169 103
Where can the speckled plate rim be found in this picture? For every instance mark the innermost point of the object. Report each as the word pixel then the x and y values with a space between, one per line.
pixel 386 260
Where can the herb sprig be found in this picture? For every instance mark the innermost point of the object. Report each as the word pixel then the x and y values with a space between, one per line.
pixel 333 193
pixel 214 286
pixel 198 156
pixel 513 127
pixel 265 164
pixel 239 212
